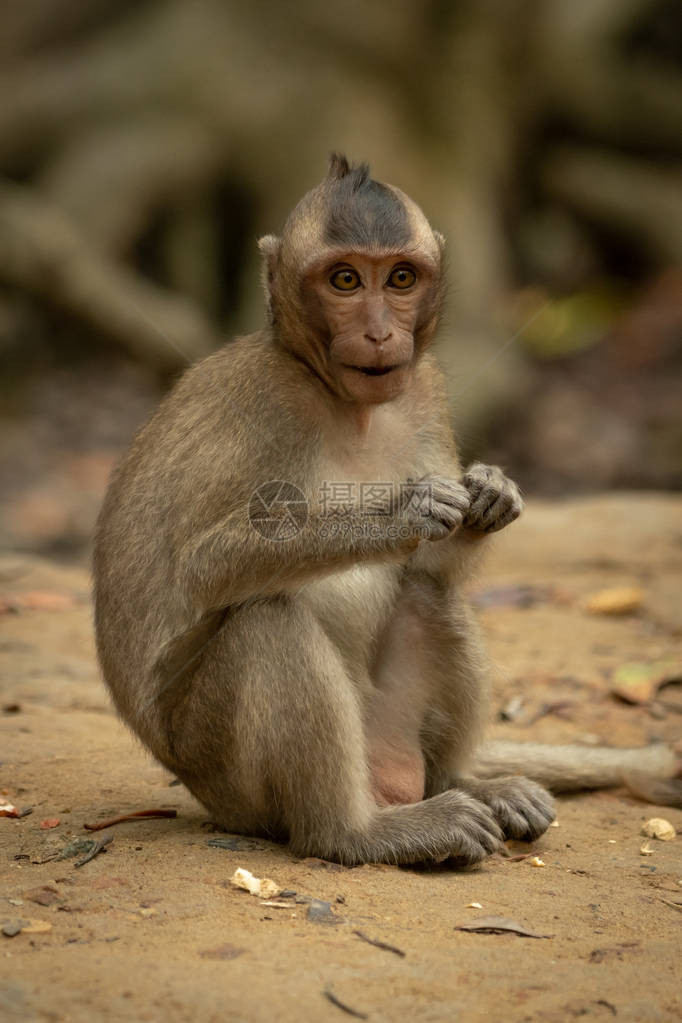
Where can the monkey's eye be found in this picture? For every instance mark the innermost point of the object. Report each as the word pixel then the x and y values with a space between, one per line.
pixel 345 280
pixel 401 277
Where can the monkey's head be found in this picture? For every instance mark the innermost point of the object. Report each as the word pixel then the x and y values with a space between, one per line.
pixel 355 284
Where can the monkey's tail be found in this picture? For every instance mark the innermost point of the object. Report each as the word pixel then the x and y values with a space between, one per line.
pixel 649 771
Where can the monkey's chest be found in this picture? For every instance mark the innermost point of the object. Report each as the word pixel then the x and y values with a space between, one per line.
pixel 353 606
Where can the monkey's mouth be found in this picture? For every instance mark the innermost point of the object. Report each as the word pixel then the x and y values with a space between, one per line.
pixel 374 371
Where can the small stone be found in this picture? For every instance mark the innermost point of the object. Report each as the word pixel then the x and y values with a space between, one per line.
pixel 321 912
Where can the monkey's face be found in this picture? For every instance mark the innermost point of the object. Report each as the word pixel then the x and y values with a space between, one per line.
pixel 366 310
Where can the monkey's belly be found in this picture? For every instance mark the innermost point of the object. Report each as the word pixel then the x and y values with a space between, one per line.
pixel 353 607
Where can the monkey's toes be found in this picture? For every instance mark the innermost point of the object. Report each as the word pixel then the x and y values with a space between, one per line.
pixel 477 833
pixel 524 811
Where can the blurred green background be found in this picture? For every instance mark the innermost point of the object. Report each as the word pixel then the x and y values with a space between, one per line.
pixel 144 146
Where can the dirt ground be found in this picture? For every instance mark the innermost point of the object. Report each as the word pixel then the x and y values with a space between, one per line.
pixel 151 928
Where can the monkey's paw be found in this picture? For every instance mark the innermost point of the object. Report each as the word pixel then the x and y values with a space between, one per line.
pixel 522 808
pixel 438 503
pixel 495 499
pixel 474 831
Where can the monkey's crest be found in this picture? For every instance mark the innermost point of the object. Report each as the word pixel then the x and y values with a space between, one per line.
pixel 339 167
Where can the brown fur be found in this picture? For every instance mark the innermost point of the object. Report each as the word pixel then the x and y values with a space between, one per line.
pixel 326 689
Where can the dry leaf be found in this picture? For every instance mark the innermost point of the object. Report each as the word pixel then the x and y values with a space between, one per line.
pixel 638 682
pixel 535 861
pixel 646 850
pixel 658 827
pixel 499 925
pixel 51 822
pixel 8 810
pixel 621 600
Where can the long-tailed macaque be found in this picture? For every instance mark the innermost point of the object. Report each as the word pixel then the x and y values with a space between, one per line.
pixel 279 560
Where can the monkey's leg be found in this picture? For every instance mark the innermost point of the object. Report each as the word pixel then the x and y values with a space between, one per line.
pixel 271 739
pixel 454 726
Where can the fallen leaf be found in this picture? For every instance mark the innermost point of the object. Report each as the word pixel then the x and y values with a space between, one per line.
pixel 621 600
pixel 8 810
pixel 646 850
pixel 499 925
pixel 43 896
pixel 638 682
pixel 535 861
pixel 51 822
pixel 134 816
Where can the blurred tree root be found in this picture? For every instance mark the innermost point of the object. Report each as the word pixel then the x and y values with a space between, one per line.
pixel 45 256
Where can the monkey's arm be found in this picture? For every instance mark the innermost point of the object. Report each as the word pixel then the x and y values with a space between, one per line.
pixel 232 561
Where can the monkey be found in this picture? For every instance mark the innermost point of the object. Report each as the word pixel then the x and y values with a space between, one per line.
pixel 279 560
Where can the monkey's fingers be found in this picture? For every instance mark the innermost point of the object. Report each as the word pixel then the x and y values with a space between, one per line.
pixel 504 510
pixel 476 477
pixel 497 504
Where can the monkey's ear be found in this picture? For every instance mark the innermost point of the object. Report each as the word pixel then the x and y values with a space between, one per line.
pixel 338 166
pixel 269 246
pixel 440 239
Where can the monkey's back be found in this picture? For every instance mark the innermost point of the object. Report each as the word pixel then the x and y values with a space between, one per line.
pixel 195 461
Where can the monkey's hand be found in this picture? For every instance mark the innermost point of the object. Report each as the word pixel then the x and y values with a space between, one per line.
pixel 495 500
pixel 522 808
pixel 435 503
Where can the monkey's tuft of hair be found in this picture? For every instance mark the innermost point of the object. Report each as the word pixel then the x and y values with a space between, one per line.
pixel 340 167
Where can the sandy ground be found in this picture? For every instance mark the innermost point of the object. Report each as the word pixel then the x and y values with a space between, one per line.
pixel 151 929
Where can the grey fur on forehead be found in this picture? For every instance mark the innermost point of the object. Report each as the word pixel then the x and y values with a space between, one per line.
pixel 362 213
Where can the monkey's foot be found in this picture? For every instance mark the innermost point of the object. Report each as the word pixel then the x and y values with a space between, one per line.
pixel 522 808
pixel 495 499
pixel 475 832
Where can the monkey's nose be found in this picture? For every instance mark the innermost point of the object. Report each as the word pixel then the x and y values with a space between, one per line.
pixel 379 340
